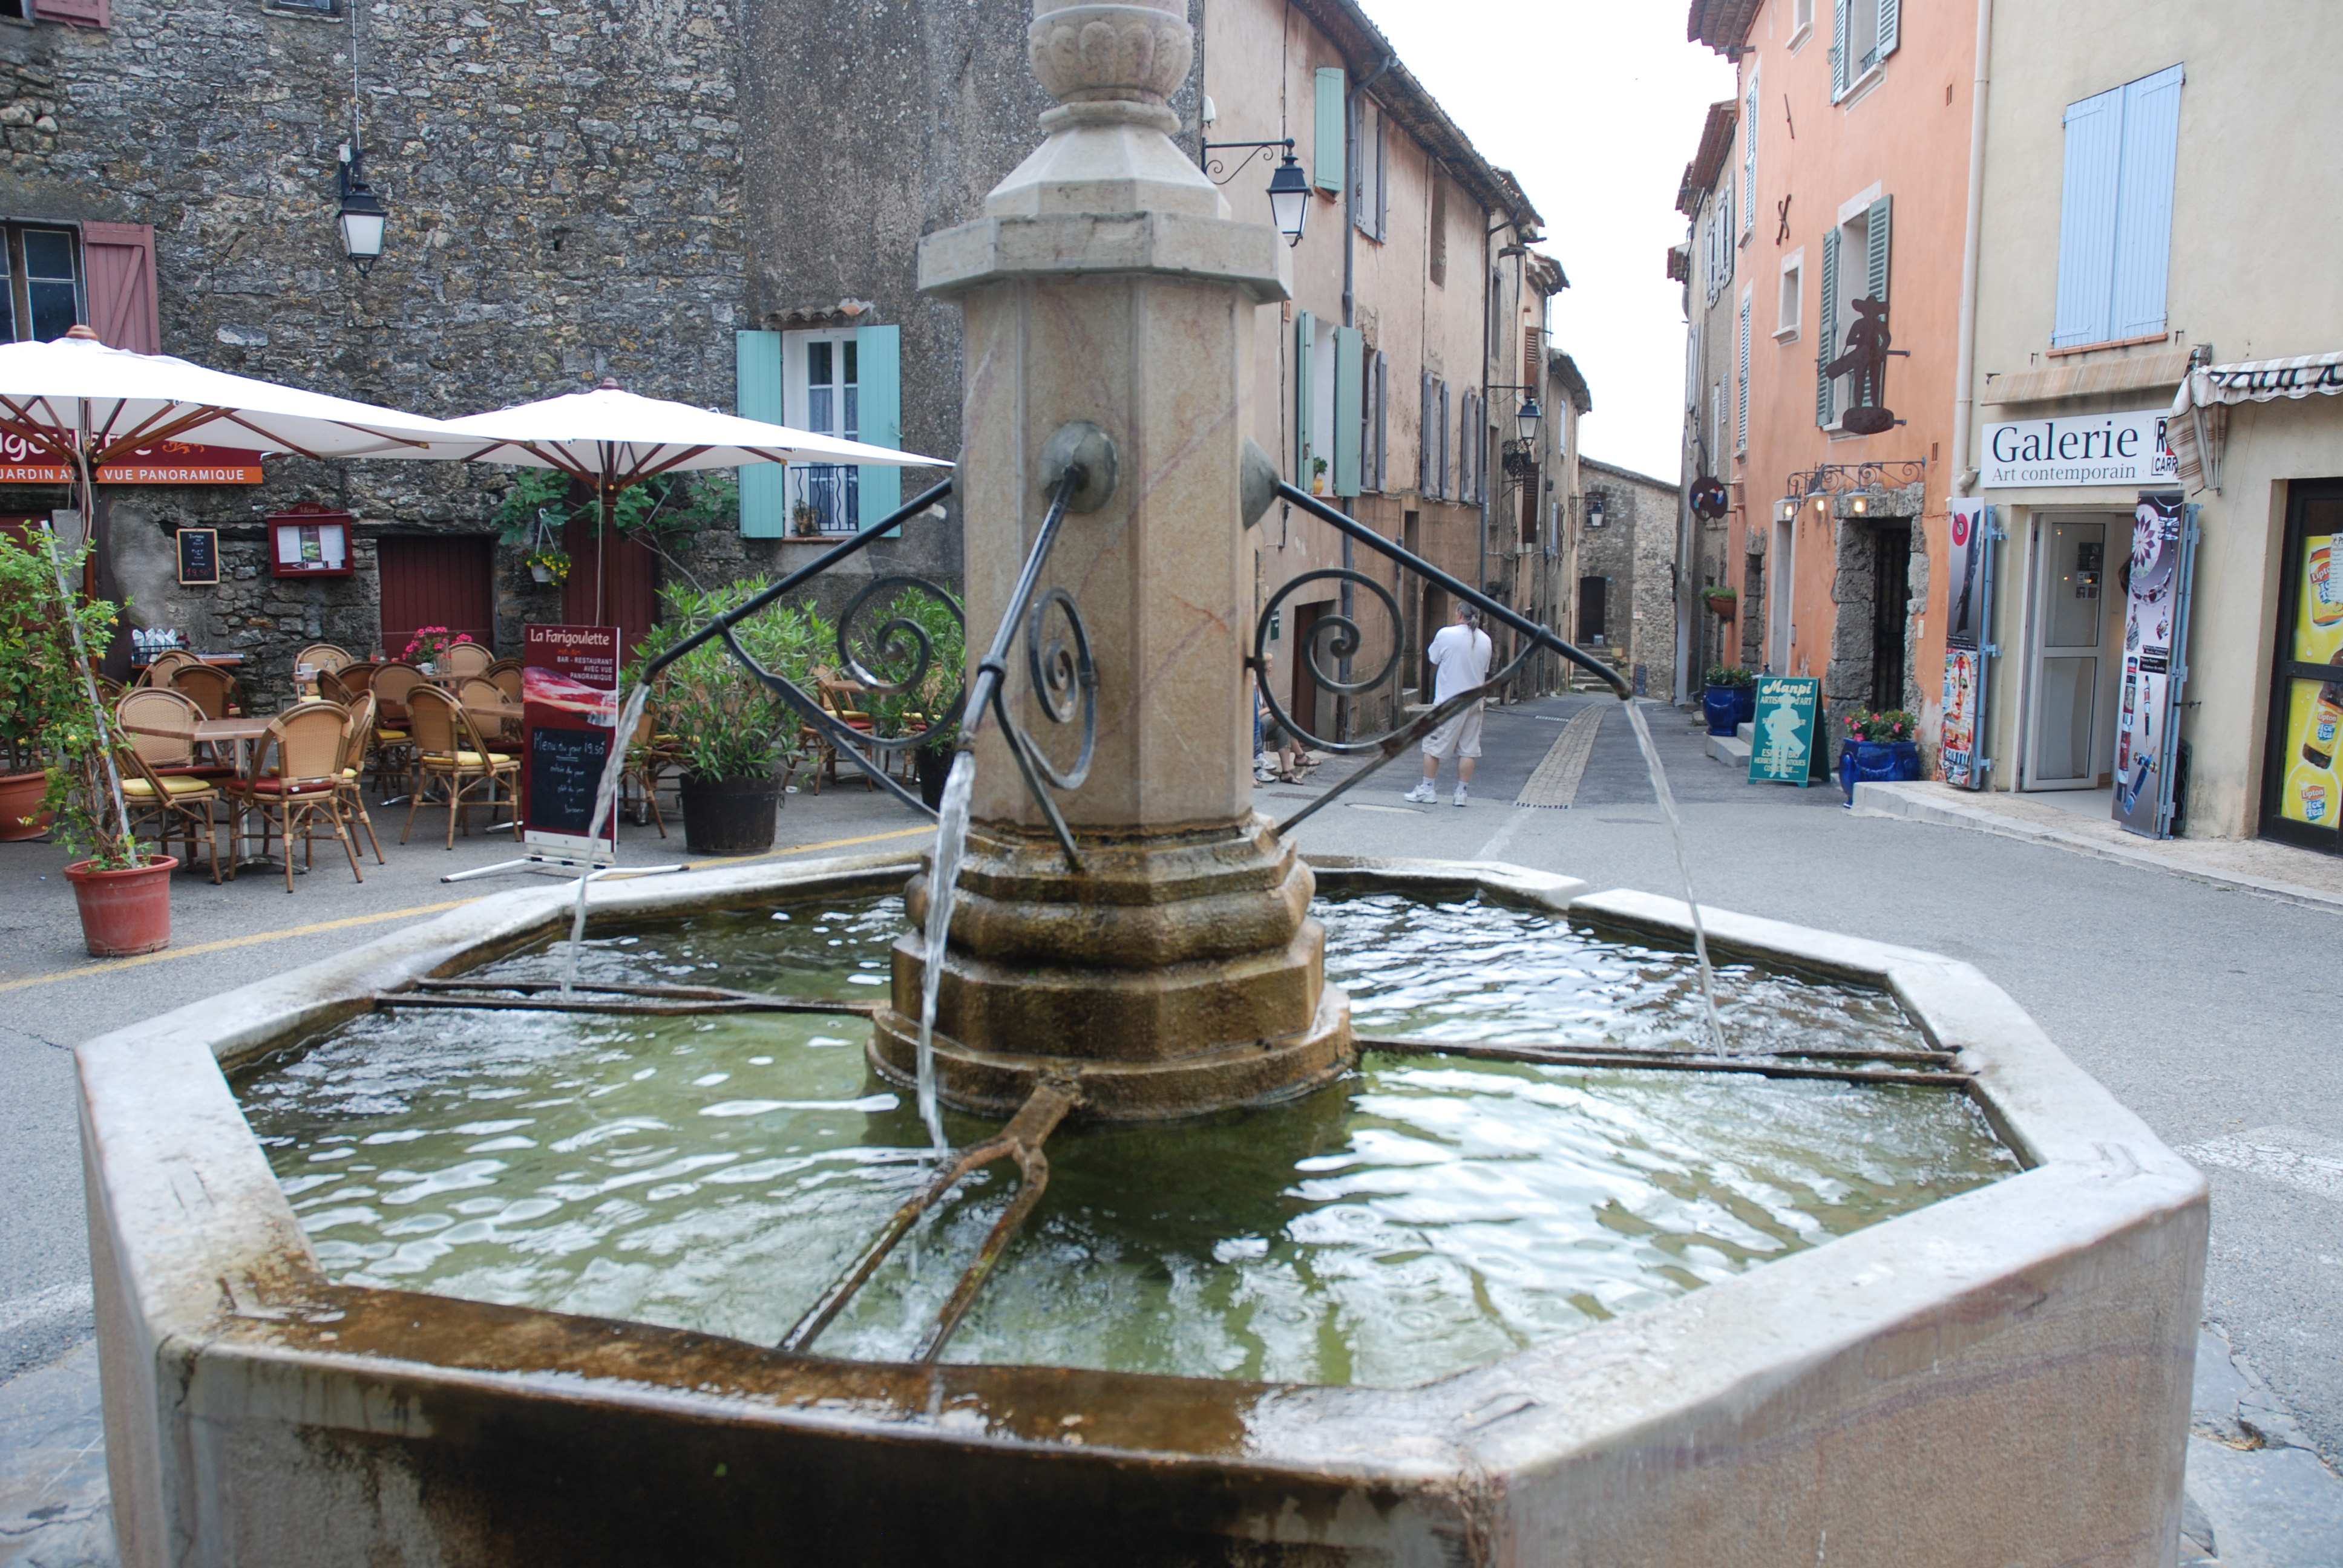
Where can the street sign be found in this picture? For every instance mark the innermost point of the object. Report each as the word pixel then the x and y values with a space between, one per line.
pixel 1782 751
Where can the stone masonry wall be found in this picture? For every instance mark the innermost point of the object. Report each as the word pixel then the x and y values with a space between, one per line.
pixel 1636 549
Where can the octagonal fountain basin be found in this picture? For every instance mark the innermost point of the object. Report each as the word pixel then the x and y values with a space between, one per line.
pixel 387 1274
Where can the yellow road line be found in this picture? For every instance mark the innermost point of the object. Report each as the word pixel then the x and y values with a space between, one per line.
pixel 115 965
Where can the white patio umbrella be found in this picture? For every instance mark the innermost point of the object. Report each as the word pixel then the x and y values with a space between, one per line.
pixel 613 438
pixel 85 403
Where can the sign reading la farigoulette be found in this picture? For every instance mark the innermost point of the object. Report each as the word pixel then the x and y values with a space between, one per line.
pixel 2125 449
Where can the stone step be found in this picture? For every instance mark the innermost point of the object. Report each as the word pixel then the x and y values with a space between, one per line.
pixel 1733 750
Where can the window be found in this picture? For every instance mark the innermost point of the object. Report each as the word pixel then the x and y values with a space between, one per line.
pixel 823 374
pixel 310 7
pixel 2115 218
pixel 843 381
pixel 45 294
pixel 1369 181
pixel 1802 21
pixel 1749 159
pixel 1786 314
pixel 82 13
pixel 1437 241
pixel 1864 33
pixel 1855 266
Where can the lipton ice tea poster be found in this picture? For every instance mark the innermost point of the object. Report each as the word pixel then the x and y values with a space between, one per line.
pixel 2314 712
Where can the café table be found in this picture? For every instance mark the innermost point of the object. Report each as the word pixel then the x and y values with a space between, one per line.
pixel 239 734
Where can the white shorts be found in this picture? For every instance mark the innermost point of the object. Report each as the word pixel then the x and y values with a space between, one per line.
pixel 1459 736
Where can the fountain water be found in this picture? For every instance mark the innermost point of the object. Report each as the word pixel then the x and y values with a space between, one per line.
pixel 1667 799
pixel 605 804
pixel 943 892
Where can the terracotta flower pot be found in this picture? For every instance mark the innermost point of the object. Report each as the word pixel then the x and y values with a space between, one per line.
pixel 20 794
pixel 124 912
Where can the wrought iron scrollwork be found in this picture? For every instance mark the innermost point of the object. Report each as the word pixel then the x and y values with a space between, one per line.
pixel 1341 637
pixel 892 641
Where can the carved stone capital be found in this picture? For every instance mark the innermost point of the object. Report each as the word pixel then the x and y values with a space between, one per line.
pixel 1085 53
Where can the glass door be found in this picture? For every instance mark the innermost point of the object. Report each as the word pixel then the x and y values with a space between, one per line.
pixel 2302 795
pixel 2065 749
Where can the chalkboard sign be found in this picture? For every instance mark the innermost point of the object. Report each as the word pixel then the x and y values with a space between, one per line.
pixel 198 557
pixel 1782 749
pixel 564 768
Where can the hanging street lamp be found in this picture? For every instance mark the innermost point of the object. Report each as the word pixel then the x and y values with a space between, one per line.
pixel 1527 420
pixel 363 212
pixel 1289 199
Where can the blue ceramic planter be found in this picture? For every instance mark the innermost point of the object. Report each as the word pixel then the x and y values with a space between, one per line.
pixel 1721 704
pixel 1877 762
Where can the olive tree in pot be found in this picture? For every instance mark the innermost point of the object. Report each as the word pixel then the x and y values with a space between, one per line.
pixel 728 736
pixel 52 715
pixel 918 654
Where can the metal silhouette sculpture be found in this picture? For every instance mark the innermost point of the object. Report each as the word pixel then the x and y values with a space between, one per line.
pixel 1865 365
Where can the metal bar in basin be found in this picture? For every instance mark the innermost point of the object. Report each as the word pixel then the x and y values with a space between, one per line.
pixel 1677 1061
pixel 1041 1113
pixel 652 1008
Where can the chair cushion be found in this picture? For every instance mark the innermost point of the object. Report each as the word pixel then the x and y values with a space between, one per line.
pixel 461 759
pixel 197 770
pixel 176 788
pixel 290 786
pixel 382 734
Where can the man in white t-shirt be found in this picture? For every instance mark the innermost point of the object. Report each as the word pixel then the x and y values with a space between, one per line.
pixel 1460 660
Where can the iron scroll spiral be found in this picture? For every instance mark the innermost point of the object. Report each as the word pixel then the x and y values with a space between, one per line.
pixel 892 640
pixel 1337 635
pixel 1065 680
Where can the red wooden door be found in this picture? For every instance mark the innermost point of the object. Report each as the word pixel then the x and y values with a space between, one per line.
pixel 622 590
pixel 437 580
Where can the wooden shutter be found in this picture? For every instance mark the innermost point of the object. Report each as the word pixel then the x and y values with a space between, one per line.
pixel 757 394
pixel 1437 241
pixel 1749 159
pixel 878 371
pixel 1326 151
pixel 1826 335
pixel 82 13
pixel 443 580
pixel 1891 23
pixel 1380 475
pixel 2087 220
pixel 2143 240
pixel 118 261
pixel 1350 411
pixel 1876 225
pixel 1382 176
pixel 1440 472
pixel 1839 72
pixel 1426 403
pixel 1305 331
pixel 1741 415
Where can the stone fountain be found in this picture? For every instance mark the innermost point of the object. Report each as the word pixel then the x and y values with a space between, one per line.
pixel 2001 1377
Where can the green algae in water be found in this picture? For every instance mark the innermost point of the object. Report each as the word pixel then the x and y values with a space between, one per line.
pixel 1420 1217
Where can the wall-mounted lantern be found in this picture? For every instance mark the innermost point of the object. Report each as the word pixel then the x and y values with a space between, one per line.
pixel 1289 199
pixel 1527 420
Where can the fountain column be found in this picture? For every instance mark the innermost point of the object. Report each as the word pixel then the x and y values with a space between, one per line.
pixel 1178 969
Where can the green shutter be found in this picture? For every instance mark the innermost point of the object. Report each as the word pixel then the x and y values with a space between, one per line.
pixel 879 354
pixel 1840 73
pixel 1305 327
pixel 757 394
pixel 1826 337
pixel 1326 150
pixel 1891 23
pixel 1350 407
pixel 1876 228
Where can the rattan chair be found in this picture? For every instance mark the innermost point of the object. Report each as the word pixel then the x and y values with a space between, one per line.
pixel 297 777
pixel 323 656
pixel 358 677
pixel 506 674
pixel 448 748
pixel 211 689
pixel 168 798
pixel 357 739
pixel 649 757
pixel 465 659
pixel 391 683
pixel 333 689
pixel 476 691
pixel 161 725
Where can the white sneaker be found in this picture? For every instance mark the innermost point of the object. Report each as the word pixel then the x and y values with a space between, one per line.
pixel 1460 794
pixel 1423 794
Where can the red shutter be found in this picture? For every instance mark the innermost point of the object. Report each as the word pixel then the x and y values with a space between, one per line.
pixel 629 587
pixel 85 13
pixel 442 581
pixel 118 258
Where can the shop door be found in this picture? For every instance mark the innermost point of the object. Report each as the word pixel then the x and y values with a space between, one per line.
pixel 1591 626
pixel 1302 700
pixel 2302 795
pixel 436 580
pixel 2069 740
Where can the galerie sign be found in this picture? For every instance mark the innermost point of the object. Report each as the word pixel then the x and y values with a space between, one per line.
pixel 2125 449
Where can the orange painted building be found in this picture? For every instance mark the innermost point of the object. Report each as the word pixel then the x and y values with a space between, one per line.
pixel 1848 183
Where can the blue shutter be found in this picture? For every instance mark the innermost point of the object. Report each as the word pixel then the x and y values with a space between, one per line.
pixel 1425 439
pixel 1326 151
pixel 1826 337
pixel 879 356
pixel 1891 22
pixel 1349 409
pixel 1379 477
pixel 2087 220
pixel 757 394
pixel 1840 75
pixel 1305 331
pixel 1876 248
pixel 2143 248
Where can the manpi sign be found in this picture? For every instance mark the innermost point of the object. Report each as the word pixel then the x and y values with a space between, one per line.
pixel 2126 449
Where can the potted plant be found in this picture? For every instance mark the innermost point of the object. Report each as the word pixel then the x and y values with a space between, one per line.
pixel 1721 601
pixel 550 564
pixel 1730 697
pixel 1317 476
pixel 429 645
pixel 40 681
pixel 54 712
pixel 1880 747
pixel 918 626
pixel 805 522
pixel 726 735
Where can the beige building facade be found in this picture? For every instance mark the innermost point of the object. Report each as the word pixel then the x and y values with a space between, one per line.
pixel 2153 198
pixel 1708 264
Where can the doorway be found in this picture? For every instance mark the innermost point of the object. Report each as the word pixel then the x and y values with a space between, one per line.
pixel 1303 698
pixel 1590 625
pixel 1780 577
pixel 436 580
pixel 2302 792
pixel 1891 594
pixel 2071 730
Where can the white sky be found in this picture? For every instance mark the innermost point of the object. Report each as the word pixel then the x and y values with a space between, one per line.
pixel 1596 109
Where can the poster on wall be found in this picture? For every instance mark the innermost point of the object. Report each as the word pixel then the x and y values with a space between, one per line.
pixel 2156 639
pixel 1784 748
pixel 2313 790
pixel 570 698
pixel 1968 608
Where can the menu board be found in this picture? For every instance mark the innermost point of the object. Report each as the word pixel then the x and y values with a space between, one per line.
pixel 309 544
pixel 569 698
pixel 198 557
pixel 1784 751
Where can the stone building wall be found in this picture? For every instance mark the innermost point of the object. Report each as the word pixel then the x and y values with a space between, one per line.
pixel 1636 550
